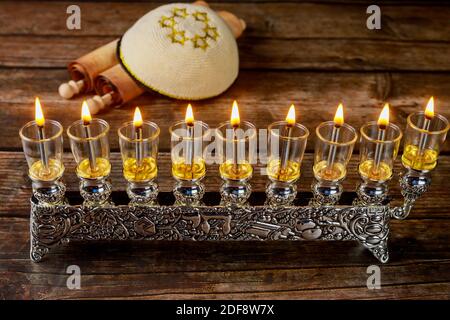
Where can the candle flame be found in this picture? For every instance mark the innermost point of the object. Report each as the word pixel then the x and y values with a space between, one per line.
pixel 339 116
pixel 38 114
pixel 235 119
pixel 383 120
pixel 85 114
pixel 189 118
pixel 137 119
pixel 290 118
pixel 429 111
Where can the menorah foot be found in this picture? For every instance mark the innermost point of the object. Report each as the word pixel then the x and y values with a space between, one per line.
pixel 380 251
pixel 369 225
pixel 38 249
pixel 37 252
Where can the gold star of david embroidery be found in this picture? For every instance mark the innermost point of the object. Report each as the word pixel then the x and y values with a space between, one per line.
pixel 167 22
pixel 199 42
pixel 211 32
pixel 200 16
pixel 180 12
pixel 176 35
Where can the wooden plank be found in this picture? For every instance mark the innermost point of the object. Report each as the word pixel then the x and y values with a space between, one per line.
pixel 255 53
pixel 419 268
pixel 268 20
pixel 263 97
pixel 420 252
pixel 15 188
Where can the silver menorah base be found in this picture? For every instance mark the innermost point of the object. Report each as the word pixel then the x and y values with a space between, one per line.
pixel 55 225
pixel 366 221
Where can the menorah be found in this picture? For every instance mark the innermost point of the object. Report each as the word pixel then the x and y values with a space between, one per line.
pixel 54 221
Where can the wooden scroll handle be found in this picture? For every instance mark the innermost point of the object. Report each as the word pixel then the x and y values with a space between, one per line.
pixel 69 89
pixel 98 103
pixel 84 70
pixel 236 24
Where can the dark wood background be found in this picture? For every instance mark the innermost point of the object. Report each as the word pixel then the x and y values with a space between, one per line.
pixel 311 53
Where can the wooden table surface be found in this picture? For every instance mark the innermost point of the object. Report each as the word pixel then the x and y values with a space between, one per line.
pixel 311 53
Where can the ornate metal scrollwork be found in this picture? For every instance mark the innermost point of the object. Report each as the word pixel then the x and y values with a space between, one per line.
pixel 371 228
pixel 413 184
pixel 55 225
pixel 280 194
pixel 96 192
pixel 325 195
pixel 50 193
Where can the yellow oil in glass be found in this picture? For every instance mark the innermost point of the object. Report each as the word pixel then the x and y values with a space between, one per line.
pixel 368 171
pixel 102 169
pixel 425 161
pixel 240 171
pixel 194 171
pixel 288 174
pixel 146 171
pixel 335 172
pixel 54 171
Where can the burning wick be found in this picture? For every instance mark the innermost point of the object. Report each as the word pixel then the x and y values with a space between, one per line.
pixel 40 121
pixel 429 115
pixel 290 122
pixel 137 123
pixel 338 122
pixel 383 123
pixel 235 122
pixel 86 118
pixel 189 119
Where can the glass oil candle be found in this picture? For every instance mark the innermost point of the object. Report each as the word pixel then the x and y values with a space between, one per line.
pixel 43 149
pixel 188 161
pixel 237 150
pixel 90 148
pixel 424 138
pixel 376 162
pixel 378 170
pixel 287 143
pixel 236 143
pixel 425 134
pixel 333 150
pixel 139 150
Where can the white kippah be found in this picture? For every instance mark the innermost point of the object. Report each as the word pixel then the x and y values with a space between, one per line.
pixel 184 51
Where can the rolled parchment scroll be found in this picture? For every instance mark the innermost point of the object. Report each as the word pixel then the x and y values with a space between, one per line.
pixel 84 70
pixel 114 87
